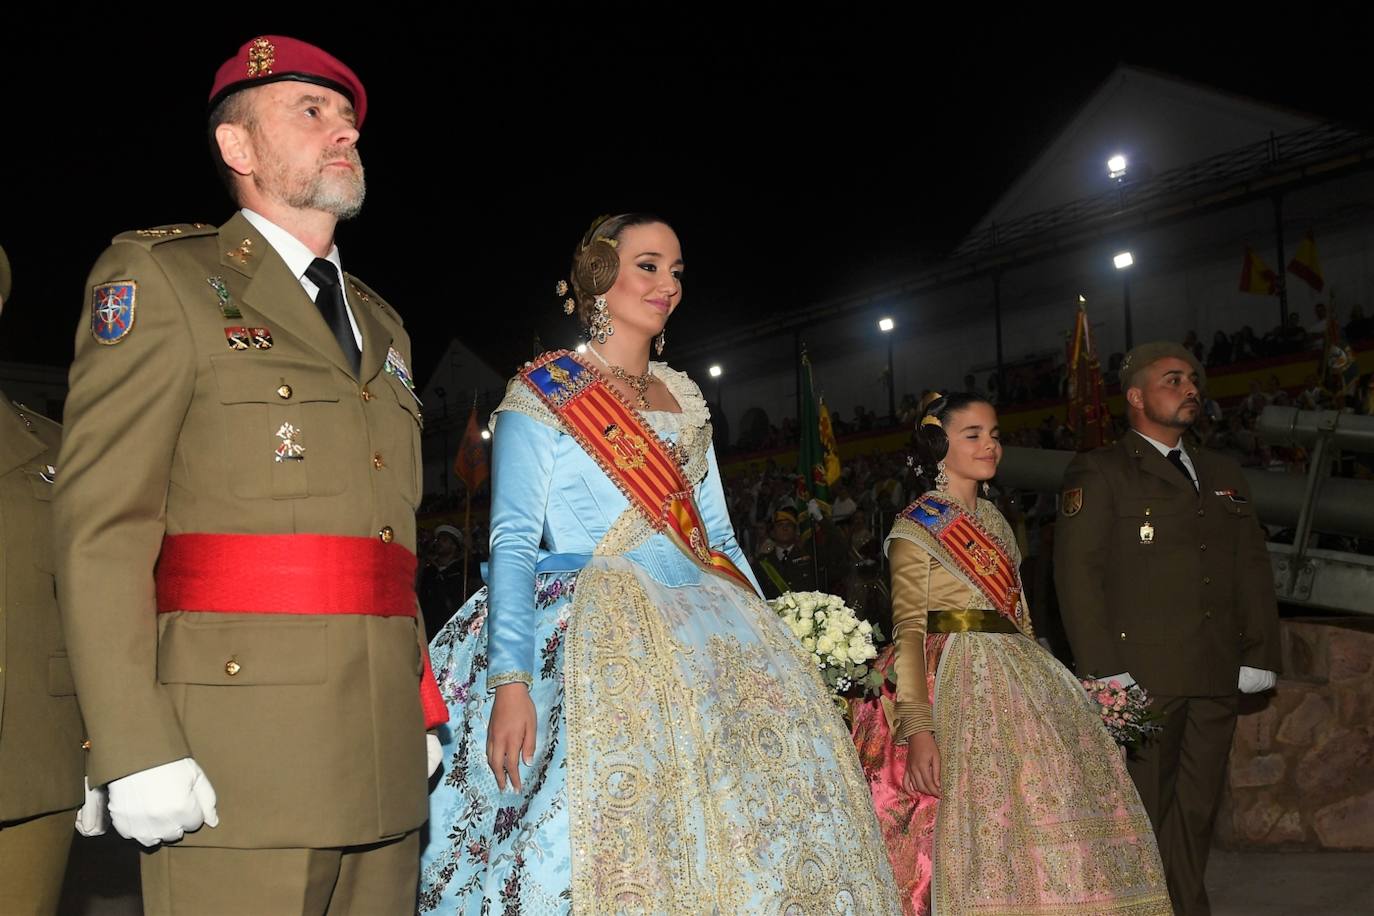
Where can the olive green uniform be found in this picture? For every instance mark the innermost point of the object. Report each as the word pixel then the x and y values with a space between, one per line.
pixel 41 760
pixel 309 727
pixel 1174 586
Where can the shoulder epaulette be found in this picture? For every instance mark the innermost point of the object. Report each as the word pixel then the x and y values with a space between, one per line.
pixel 159 234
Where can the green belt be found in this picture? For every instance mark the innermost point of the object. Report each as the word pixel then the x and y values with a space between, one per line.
pixel 968 621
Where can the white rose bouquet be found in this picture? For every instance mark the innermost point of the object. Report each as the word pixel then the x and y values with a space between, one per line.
pixel 841 643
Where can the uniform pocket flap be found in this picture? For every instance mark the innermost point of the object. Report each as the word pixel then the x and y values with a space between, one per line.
pixel 243 653
pixel 244 378
pixel 60 683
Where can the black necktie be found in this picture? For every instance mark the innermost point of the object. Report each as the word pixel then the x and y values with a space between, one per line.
pixel 1176 459
pixel 330 302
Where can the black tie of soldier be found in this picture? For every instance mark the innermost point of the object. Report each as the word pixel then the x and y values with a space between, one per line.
pixel 1176 459
pixel 330 302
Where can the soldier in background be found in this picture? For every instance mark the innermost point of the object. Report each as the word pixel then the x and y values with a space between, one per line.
pixel 41 734
pixel 1162 574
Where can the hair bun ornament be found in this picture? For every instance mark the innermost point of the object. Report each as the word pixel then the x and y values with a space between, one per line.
pixel 596 266
pixel 930 420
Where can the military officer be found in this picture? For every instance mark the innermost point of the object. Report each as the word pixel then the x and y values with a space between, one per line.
pixel 41 735
pixel 793 561
pixel 1162 573
pixel 236 515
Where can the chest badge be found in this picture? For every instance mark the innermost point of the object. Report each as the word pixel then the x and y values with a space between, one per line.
pixel 237 338
pixel 261 337
pixel 396 366
pixel 1147 530
pixel 226 308
pixel 290 448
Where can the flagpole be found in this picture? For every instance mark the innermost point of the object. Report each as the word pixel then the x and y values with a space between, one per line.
pixel 467 543
pixel 467 522
pixel 1283 281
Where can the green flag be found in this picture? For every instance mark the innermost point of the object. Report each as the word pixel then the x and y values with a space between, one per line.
pixel 811 456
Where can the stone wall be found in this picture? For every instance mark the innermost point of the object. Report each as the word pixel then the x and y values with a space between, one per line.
pixel 1301 774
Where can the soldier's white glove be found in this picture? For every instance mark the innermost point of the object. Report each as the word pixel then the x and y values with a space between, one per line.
pixel 813 508
pixel 93 817
pixel 162 803
pixel 1256 680
pixel 434 752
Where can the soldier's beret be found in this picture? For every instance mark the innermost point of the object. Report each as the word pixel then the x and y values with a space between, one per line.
pixel 274 58
pixel 1142 357
pixel 4 275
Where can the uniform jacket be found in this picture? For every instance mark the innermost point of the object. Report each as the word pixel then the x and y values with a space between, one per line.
pixel 315 736
pixel 1172 585
pixel 41 760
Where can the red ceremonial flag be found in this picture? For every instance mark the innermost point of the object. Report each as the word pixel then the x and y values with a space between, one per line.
pixel 1088 416
pixel 1256 277
pixel 471 463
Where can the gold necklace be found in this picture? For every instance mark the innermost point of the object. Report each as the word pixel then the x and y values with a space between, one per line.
pixel 640 383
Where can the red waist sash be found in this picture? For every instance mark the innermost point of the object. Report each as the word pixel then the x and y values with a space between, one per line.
pixel 294 574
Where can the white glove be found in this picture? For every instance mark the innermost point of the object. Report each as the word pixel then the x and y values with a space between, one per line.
pixel 434 752
pixel 162 803
pixel 93 817
pixel 1256 680
pixel 813 508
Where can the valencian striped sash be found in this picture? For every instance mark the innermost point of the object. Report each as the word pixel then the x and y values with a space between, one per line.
pixel 975 551
pixel 637 460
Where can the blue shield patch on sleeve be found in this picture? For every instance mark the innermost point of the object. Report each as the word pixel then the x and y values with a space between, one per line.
pixel 112 310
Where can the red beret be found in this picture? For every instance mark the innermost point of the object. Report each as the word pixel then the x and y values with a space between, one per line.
pixel 273 58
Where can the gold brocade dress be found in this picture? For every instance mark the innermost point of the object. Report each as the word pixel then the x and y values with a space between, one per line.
pixel 1038 814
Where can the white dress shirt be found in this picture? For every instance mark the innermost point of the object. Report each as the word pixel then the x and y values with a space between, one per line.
pixel 1165 450
pixel 298 258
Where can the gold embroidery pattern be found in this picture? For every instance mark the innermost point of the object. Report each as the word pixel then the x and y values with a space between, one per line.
pixel 262 56
pixel 559 374
pixel 694 780
pixel 1032 779
pixel 629 448
pixel 510 677
pixel 630 530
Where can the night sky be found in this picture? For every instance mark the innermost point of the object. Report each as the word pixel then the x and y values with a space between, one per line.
pixel 798 156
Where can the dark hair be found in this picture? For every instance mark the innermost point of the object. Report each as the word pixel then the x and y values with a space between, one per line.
pixel 610 227
pixel 932 444
pixel 235 108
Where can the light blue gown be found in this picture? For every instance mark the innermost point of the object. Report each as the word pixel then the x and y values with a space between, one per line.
pixel 688 757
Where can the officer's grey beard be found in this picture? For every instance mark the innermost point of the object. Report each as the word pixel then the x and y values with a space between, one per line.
pixel 339 195
pixel 343 199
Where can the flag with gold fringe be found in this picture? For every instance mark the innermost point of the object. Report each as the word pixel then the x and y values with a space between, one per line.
pixel 1088 416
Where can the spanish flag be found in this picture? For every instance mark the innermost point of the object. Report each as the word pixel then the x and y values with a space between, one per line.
pixel 1306 266
pixel 1256 277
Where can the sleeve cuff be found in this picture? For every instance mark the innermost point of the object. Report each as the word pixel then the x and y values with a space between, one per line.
pixel 509 677
pixel 912 718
